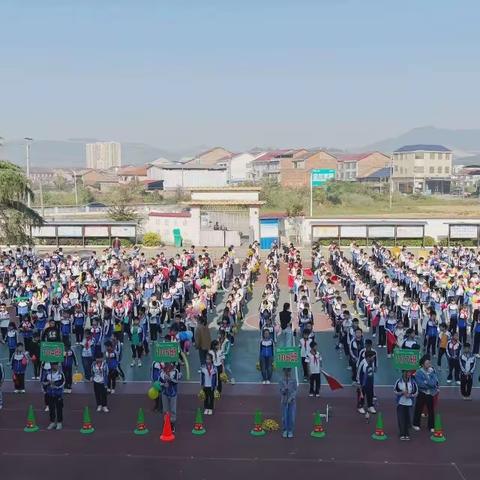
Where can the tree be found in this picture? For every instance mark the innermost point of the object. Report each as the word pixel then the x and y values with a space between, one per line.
pixel 16 218
pixel 60 182
pixel 294 213
pixel 121 198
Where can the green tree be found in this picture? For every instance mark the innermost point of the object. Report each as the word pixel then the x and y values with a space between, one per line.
pixel 121 199
pixel 60 183
pixel 16 217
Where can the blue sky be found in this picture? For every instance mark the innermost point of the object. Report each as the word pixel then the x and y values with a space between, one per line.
pixel 241 73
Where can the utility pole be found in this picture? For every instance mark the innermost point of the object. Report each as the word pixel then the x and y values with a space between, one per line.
pixel 42 205
pixel 391 181
pixel 29 141
pixel 75 183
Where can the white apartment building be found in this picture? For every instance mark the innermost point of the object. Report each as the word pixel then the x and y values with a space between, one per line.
pixel 103 155
pixel 422 168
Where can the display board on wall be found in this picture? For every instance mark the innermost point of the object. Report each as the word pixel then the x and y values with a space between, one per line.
pixel 91 231
pixel 325 231
pixel 123 231
pixel 381 232
pixel 410 232
pixel 353 231
pixel 463 231
pixel 69 231
pixel 44 231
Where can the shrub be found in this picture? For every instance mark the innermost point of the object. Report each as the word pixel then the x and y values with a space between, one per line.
pixel 152 239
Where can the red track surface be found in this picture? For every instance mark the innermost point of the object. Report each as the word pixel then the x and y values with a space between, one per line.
pixel 227 449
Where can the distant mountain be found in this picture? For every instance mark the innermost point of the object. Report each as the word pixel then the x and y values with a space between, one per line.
pixel 463 142
pixel 71 153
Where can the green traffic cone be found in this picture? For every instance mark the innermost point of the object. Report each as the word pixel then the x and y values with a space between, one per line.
pixel 257 430
pixel 318 431
pixel 198 427
pixel 379 432
pixel 140 429
pixel 31 422
pixel 87 426
pixel 438 436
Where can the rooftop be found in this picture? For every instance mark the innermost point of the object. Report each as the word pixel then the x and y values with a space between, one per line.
pixel 381 173
pixel 133 171
pixel 422 148
pixel 354 157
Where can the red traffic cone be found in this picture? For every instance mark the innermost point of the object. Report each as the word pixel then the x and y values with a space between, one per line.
pixel 167 434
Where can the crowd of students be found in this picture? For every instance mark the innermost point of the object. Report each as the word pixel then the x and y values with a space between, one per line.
pixel 429 303
pixel 99 304
pixel 114 300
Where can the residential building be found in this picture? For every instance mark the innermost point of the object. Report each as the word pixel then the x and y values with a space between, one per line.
pixel 296 165
pixel 266 165
pixel 238 166
pixel 423 168
pixel 99 179
pixel 132 173
pixel 188 176
pixel 210 157
pixel 353 166
pixel 45 176
pixel 103 155
pixel 378 180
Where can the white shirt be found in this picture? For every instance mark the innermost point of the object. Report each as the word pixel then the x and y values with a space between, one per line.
pixel 314 362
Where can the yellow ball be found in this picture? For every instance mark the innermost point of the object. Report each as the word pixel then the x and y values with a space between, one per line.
pixel 152 393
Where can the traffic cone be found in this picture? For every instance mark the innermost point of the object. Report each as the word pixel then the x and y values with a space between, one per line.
pixel 167 434
pixel 141 428
pixel 438 436
pixel 31 422
pixel 198 427
pixel 318 430
pixel 257 430
pixel 379 432
pixel 87 426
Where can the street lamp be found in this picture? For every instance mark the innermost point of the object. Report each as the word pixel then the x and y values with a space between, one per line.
pixel 29 142
pixel 75 183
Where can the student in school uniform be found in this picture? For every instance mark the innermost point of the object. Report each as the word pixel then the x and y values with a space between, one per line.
pixel 100 381
pixel 314 362
pixel 53 384
pixel 468 362
pixel 304 351
pixel 34 354
pixel 365 380
pixel 406 390
pixel 87 353
pixel 19 362
pixel 357 344
pixel 266 355
pixel 112 366
pixel 454 350
pixel 208 382
pixel 11 339
pixel 69 360
pixel 137 335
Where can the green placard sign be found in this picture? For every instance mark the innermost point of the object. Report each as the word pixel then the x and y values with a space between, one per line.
pixel 165 352
pixel 320 176
pixel 51 351
pixel 406 359
pixel 287 357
